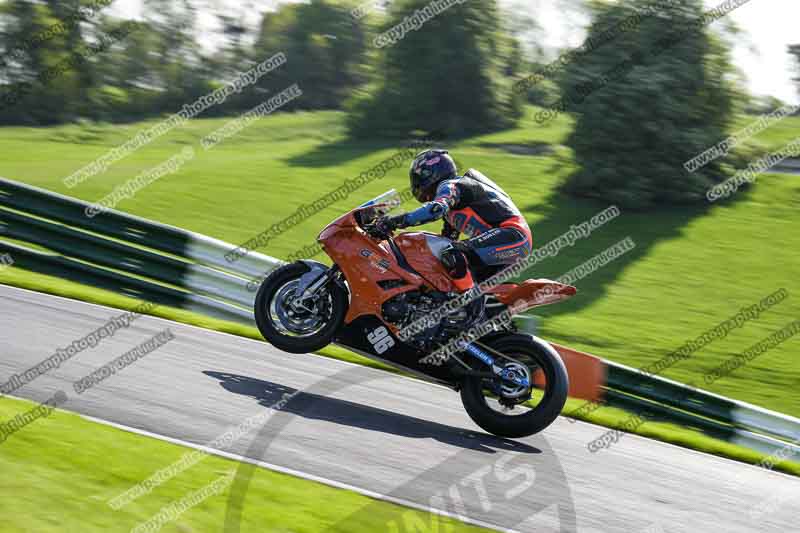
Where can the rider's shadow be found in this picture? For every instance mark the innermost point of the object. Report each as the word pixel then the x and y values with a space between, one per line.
pixel 343 412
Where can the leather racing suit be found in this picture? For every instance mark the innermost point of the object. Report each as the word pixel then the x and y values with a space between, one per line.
pixel 474 205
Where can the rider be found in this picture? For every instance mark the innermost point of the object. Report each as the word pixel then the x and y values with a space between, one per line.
pixel 471 204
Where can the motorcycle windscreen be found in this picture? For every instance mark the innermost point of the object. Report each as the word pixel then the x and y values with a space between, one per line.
pixel 390 200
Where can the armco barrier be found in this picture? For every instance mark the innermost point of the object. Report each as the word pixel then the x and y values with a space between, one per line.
pixel 730 420
pixel 79 272
pixel 114 254
pixel 656 412
pixel 674 394
pixel 178 268
pixel 132 229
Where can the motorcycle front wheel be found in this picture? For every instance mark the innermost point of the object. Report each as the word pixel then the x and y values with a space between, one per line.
pixel 293 326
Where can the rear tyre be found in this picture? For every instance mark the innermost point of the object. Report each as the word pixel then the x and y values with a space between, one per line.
pixel 293 328
pixel 540 357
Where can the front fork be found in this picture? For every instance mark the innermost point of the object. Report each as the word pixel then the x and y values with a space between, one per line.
pixel 311 282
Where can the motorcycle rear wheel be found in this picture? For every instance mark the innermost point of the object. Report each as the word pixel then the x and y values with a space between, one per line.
pixel 476 395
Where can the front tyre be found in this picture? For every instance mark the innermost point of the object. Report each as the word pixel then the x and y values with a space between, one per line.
pixel 294 326
pixel 503 411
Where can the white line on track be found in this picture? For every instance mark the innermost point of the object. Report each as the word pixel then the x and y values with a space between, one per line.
pixel 300 474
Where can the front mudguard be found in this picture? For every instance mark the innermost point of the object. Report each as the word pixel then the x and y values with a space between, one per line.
pixel 315 271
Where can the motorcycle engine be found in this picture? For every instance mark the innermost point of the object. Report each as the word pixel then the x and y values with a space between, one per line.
pixel 408 307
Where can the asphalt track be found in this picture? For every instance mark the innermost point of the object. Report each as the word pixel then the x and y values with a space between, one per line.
pixel 389 435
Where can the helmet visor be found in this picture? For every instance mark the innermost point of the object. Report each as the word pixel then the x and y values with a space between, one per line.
pixel 422 194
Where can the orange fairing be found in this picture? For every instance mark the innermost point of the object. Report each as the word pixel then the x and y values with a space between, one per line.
pixel 410 262
pixel 532 293
pixel 364 262
pixel 347 221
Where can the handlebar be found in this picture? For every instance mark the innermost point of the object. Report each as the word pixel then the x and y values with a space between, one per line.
pixel 372 231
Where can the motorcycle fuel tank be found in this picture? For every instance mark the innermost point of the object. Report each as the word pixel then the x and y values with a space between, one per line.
pixel 423 251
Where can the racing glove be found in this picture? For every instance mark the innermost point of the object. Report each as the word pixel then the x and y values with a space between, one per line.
pixel 386 225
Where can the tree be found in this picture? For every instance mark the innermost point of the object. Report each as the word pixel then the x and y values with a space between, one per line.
pixel 174 47
pixel 325 49
pixel 35 41
pixel 448 75
pixel 658 95
pixel 50 64
pixel 762 105
pixel 794 50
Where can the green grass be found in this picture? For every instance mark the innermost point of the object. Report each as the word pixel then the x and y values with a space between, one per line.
pixel 692 267
pixel 678 435
pixel 776 136
pixel 59 473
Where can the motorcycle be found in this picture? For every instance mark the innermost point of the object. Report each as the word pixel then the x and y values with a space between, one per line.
pixel 381 286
